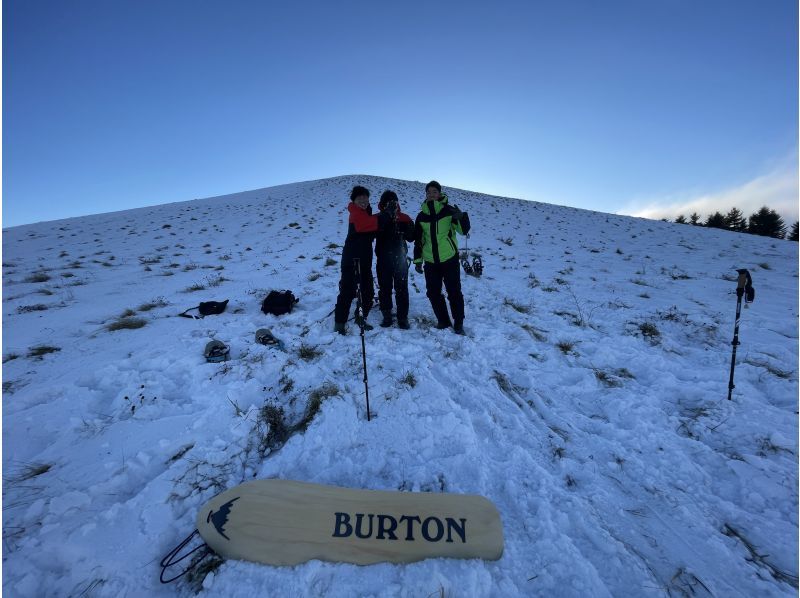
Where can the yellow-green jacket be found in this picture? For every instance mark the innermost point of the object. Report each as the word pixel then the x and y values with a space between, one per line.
pixel 435 231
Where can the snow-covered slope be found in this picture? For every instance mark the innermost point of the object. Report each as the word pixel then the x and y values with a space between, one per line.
pixel 587 401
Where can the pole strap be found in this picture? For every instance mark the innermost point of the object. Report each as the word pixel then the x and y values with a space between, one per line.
pixel 744 286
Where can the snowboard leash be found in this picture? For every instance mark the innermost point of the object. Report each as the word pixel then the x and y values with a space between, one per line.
pixel 174 557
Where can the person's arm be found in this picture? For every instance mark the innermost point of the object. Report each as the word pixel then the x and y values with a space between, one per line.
pixel 406 226
pixel 367 223
pixel 363 222
pixel 418 245
pixel 460 220
pixel 417 242
pixel 409 232
pixel 465 224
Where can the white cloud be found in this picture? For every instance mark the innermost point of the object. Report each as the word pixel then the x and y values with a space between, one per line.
pixel 777 190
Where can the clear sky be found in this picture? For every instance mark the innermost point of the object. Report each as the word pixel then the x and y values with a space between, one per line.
pixel 638 107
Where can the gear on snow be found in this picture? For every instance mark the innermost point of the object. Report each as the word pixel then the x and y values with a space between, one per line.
pixel 216 351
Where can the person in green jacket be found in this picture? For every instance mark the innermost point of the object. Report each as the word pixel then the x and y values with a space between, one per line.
pixel 435 246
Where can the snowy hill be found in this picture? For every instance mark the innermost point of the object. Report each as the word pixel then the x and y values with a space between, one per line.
pixel 587 401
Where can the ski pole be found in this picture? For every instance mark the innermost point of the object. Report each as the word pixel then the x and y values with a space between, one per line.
pixel 744 285
pixel 361 322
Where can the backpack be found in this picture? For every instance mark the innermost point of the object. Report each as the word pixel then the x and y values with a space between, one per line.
pixel 207 308
pixel 278 303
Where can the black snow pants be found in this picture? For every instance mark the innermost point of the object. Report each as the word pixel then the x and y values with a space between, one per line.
pixel 347 287
pixel 393 273
pixel 449 273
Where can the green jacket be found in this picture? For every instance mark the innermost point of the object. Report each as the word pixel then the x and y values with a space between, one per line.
pixel 435 231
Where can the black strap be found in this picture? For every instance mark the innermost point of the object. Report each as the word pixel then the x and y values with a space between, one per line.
pixel 745 286
pixel 187 315
pixel 172 557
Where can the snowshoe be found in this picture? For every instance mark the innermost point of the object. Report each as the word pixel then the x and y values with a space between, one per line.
pixel 466 265
pixel 477 265
pixel 265 337
pixel 216 352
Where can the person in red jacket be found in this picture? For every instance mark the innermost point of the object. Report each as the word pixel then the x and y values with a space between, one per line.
pixel 392 266
pixel 361 232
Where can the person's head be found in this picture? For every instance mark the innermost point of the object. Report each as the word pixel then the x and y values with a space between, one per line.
pixel 388 197
pixel 360 196
pixel 433 191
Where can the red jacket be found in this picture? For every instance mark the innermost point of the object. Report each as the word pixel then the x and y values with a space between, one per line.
pixel 361 221
pixel 361 232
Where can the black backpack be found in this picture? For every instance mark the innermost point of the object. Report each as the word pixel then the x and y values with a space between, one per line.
pixel 207 308
pixel 278 303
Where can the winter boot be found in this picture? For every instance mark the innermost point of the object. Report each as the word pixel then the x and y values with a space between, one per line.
pixel 387 319
pixel 442 324
pixel 339 327
pixel 403 324
pixel 458 327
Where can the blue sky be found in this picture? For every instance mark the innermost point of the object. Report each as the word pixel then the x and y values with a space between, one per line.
pixel 638 107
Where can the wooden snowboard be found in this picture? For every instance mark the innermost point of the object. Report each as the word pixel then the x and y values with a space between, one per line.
pixel 281 522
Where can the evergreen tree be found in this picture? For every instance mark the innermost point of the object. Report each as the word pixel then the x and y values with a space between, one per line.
pixel 793 233
pixel 767 223
pixel 716 220
pixel 695 219
pixel 736 221
pixel 681 219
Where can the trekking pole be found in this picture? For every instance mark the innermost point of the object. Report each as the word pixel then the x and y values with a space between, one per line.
pixel 744 289
pixel 361 322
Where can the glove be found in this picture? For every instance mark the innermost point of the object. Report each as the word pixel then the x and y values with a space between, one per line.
pixel 457 214
pixel 418 268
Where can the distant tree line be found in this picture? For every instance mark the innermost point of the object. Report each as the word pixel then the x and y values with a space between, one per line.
pixel 766 222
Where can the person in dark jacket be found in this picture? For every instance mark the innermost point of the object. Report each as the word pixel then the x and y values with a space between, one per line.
pixel 435 246
pixel 361 232
pixel 392 254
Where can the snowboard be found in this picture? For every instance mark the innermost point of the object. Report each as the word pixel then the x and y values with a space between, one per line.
pixel 283 522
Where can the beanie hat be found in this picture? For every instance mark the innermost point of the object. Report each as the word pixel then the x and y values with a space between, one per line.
pixel 357 191
pixel 386 197
pixel 433 184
